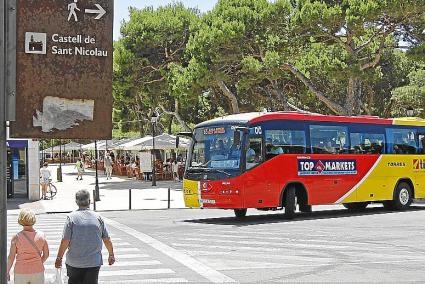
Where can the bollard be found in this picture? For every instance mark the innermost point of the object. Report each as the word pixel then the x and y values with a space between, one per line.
pixel 94 200
pixel 129 199
pixel 169 198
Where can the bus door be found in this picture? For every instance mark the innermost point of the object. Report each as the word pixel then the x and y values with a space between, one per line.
pixel 257 193
pixel 419 167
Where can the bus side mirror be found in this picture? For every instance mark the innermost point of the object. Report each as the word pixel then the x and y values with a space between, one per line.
pixel 186 134
pixel 236 138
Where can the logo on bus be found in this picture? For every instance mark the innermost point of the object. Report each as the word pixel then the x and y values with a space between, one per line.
pixel 419 164
pixel 327 167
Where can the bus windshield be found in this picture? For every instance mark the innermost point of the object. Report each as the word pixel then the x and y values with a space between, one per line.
pixel 213 148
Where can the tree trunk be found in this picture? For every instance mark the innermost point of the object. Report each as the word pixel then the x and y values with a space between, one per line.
pixel 176 114
pixel 170 124
pixel 335 107
pixel 230 96
pixel 278 93
pixel 354 90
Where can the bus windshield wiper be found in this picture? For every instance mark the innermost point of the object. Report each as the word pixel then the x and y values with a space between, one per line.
pixel 208 170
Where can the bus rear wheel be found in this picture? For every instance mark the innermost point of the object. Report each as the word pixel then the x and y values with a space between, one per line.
pixel 290 203
pixel 402 196
pixel 355 205
pixel 240 213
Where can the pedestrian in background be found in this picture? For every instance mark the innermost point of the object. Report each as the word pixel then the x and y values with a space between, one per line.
pixel 30 249
pixel 175 169
pixel 80 169
pixel 108 166
pixel 83 234
pixel 45 176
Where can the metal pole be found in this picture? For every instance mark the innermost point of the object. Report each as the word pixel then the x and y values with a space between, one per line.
pixel 154 155
pixel 3 158
pixel 129 199
pixel 169 198
pixel 94 200
pixel 59 174
pixel 96 187
pixel 42 151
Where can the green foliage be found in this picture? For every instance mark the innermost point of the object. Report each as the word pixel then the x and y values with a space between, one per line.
pixel 412 95
pixel 322 56
pixel 118 134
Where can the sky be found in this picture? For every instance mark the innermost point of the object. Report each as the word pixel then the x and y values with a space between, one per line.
pixel 121 8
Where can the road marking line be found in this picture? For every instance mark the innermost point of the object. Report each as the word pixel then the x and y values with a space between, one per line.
pixel 191 263
pixel 259 243
pixel 157 280
pixel 134 272
pixel 133 263
pixel 118 257
pixel 126 250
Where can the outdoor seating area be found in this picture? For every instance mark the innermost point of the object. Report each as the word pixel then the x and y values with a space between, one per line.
pixel 132 158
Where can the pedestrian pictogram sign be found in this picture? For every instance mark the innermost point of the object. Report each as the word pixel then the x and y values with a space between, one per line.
pixel 64 69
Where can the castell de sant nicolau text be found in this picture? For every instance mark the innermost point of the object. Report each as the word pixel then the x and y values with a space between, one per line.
pixel 82 47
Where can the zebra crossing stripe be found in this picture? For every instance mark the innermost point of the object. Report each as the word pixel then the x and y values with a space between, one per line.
pixel 261 243
pixel 117 246
pixel 126 256
pixel 191 263
pixel 157 280
pixel 112 273
pixel 120 263
pixel 119 255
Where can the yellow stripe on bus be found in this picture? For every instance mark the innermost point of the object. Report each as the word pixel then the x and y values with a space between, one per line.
pixel 409 121
pixel 382 180
pixel 191 193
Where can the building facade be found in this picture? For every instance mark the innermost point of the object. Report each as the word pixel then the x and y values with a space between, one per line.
pixel 23 168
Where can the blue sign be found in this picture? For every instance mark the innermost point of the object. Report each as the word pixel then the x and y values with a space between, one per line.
pixel 327 167
pixel 17 144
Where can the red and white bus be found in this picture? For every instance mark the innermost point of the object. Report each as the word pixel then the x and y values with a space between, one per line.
pixel 290 160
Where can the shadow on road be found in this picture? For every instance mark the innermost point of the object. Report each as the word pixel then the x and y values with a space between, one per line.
pixel 279 218
pixel 15 203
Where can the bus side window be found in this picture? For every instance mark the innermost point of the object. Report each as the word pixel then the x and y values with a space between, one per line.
pixel 421 143
pixel 328 139
pixel 367 143
pixel 401 141
pixel 254 152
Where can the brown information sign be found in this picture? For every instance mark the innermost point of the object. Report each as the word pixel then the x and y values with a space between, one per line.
pixel 64 69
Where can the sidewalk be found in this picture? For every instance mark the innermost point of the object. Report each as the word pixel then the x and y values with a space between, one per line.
pixel 114 193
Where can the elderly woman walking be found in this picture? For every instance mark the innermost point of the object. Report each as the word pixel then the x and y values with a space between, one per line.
pixel 31 251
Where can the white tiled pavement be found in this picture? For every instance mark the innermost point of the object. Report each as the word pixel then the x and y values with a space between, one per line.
pixel 132 266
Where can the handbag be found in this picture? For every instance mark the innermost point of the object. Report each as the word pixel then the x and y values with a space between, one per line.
pixel 56 278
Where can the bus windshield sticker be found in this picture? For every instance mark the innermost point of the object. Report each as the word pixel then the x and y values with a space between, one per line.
pixel 327 167
pixel 215 130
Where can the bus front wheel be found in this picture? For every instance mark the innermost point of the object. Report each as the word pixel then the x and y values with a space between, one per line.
pixel 240 213
pixel 290 203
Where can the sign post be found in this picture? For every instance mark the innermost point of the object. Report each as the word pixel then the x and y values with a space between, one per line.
pixel 3 158
pixel 64 69
pixel 56 68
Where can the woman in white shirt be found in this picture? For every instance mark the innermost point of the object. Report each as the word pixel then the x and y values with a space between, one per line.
pixel 45 175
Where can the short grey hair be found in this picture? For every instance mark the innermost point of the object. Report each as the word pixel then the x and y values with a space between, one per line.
pixel 82 198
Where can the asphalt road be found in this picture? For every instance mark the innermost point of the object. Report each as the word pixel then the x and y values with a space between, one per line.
pixel 329 245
